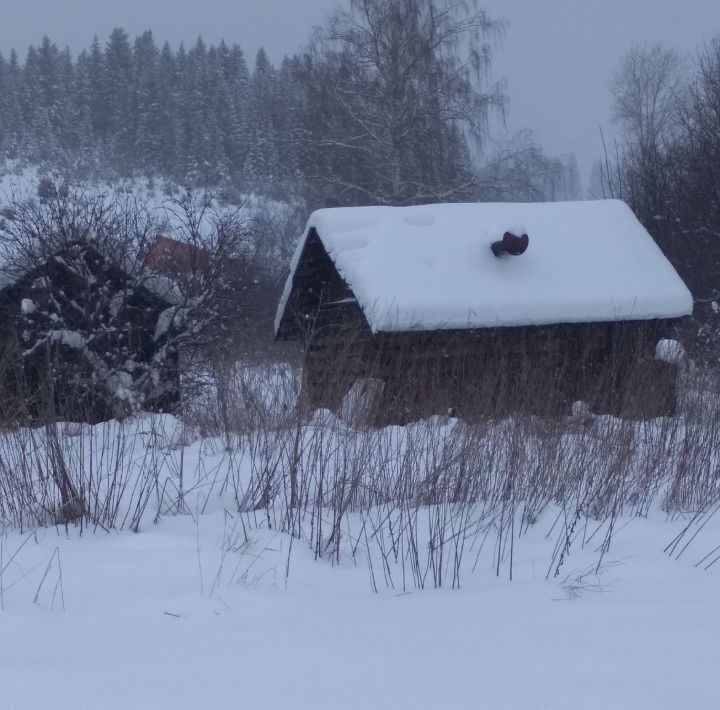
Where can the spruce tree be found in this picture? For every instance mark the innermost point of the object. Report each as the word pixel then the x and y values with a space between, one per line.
pixel 117 95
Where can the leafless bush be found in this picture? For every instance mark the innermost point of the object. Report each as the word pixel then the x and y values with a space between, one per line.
pixel 118 225
pixel 415 499
pixel 111 475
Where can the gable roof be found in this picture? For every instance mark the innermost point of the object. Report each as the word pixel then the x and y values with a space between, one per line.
pixel 431 267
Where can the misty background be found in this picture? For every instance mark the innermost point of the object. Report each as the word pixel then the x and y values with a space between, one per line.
pixel 557 56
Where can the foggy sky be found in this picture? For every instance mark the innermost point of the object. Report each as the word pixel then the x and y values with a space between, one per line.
pixel 556 55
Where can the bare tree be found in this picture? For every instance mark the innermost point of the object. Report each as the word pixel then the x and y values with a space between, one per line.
pixel 646 88
pixel 649 92
pixel 404 87
pixel 32 230
pixel 700 144
pixel 518 169
pixel 215 267
pixel 666 167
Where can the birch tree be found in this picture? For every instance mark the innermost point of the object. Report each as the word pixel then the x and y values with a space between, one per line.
pixel 403 88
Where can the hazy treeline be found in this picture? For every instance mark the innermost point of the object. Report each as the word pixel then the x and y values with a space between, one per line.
pixel 129 106
pixel 332 124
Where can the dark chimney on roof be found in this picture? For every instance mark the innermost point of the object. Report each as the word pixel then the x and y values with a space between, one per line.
pixel 510 244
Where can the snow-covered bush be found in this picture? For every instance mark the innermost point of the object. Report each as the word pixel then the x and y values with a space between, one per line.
pixel 78 321
pixel 96 323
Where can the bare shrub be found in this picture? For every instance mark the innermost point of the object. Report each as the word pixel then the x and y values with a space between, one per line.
pixel 416 497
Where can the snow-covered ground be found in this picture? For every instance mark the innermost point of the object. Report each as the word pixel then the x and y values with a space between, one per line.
pixel 165 619
pixel 210 609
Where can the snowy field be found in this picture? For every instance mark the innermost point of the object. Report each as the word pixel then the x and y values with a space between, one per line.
pixel 165 619
pixel 205 607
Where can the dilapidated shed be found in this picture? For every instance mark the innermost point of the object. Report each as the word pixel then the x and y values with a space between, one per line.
pixel 485 308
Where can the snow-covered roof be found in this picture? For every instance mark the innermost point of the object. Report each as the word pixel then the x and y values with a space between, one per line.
pixel 431 267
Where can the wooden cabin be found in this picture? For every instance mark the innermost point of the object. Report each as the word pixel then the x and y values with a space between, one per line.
pixel 484 309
